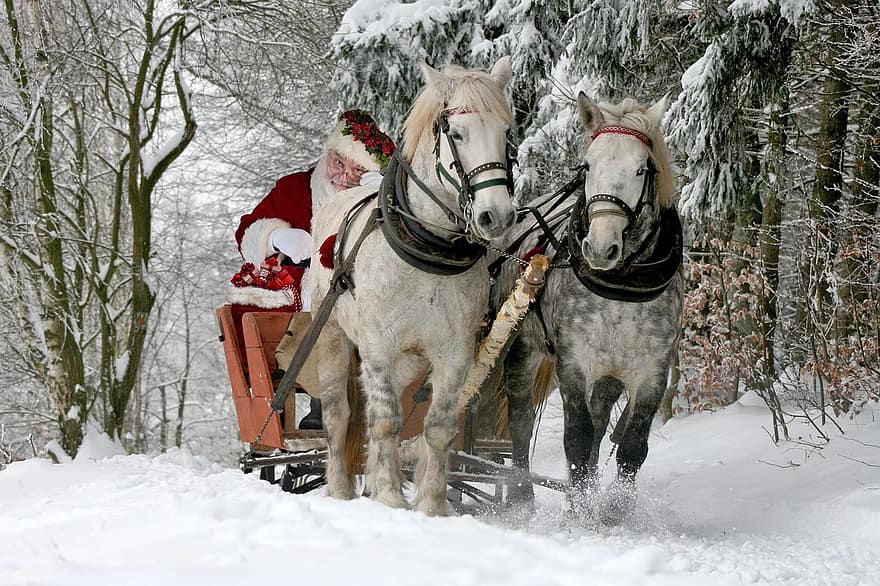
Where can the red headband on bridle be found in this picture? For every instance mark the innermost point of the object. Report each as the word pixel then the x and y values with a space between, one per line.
pixel 623 130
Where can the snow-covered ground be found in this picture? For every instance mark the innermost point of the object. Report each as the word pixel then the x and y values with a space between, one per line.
pixel 719 504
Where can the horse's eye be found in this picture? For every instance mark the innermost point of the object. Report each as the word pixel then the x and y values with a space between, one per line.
pixel 642 171
pixel 455 135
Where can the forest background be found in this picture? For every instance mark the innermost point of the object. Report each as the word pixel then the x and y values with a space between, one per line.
pixel 133 135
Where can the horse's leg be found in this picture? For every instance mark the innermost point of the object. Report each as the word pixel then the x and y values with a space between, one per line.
pixel 441 425
pixel 333 354
pixel 620 499
pixel 606 391
pixel 577 435
pixel 384 479
pixel 519 378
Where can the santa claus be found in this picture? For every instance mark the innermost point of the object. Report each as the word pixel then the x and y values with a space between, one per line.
pixel 274 239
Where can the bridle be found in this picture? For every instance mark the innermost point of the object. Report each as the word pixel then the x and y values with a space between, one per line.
pixel 647 271
pixel 467 189
pixel 649 171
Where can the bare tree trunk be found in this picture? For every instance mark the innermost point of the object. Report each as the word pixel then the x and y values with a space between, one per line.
pixel 769 238
pixel 184 379
pixel 865 193
pixel 828 183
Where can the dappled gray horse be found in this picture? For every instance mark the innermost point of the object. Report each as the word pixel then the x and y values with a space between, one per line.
pixel 610 318
pixel 418 289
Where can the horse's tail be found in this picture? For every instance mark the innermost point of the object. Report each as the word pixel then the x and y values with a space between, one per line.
pixel 356 433
pixel 497 396
pixel 543 383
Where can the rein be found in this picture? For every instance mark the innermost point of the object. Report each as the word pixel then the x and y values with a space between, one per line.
pixel 340 282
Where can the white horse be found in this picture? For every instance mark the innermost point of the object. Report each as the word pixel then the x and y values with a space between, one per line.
pixel 406 319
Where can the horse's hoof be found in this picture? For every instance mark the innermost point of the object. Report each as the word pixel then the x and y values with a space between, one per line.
pixel 341 489
pixel 432 507
pixel 581 501
pixel 618 502
pixel 345 494
pixel 390 498
pixel 578 513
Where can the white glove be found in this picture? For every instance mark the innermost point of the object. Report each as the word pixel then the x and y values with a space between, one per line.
pixel 294 243
pixel 371 178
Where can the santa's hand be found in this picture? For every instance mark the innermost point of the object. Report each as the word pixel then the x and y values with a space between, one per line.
pixel 294 243
pixel 371 178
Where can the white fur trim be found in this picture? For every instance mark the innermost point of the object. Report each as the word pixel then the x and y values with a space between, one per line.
pixel 255 243
pixel 350 148
pixel 305 289
pixel 264 298
pixel 320 185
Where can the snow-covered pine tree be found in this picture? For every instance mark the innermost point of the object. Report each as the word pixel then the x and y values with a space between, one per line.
pixel 724 94
pixel 631 48
pixel 611 50
pixel 380 44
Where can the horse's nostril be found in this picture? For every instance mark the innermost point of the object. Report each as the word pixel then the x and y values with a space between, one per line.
pixel 510 219
pixel 613 251
pixel 486 219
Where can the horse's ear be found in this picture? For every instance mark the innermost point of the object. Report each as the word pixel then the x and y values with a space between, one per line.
pixel 655 112
pixel 502 71
pixel 435 79
pixel 591 116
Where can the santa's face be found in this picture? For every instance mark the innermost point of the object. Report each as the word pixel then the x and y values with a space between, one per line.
pixel 342 172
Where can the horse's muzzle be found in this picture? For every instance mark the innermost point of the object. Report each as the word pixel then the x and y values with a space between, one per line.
pixel 603 256
pixel 493 224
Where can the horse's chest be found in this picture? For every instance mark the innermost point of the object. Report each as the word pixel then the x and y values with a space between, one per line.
pixel 605 333
pixel 393 296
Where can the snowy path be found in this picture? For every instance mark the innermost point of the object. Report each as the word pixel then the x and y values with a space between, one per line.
pixel 710 513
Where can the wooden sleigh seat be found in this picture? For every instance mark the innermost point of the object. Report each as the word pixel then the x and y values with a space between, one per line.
pixel 249 346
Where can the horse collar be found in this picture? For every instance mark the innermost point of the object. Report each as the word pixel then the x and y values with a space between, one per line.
pixel 411 242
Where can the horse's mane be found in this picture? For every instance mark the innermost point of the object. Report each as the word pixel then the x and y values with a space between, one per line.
pixel 631 114
pixel 469 89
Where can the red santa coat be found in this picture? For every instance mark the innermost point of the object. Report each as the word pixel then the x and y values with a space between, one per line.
pixel 288 205
pixel 266 285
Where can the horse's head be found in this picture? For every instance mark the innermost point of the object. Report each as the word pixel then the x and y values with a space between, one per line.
pixel 465 116
pixel 628 175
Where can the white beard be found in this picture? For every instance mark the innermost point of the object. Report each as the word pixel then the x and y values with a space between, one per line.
pixel 322 189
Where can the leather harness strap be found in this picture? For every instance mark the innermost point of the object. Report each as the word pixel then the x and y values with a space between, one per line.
pixel 340 282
